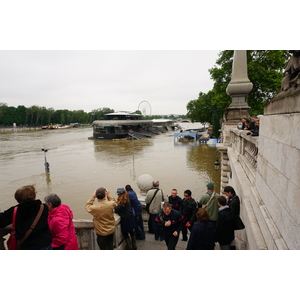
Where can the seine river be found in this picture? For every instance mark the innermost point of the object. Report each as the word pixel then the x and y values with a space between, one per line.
pixel 78 165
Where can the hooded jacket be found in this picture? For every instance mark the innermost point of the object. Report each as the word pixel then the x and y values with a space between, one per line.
pixel 62 228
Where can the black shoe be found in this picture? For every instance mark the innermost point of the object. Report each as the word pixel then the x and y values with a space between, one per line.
pixel 161 239
pixel 184 240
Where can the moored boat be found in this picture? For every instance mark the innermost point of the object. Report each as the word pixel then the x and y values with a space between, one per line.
pixel 126 125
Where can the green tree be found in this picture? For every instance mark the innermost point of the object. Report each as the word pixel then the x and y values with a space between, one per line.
pixel 202 110
pixel 21 115
pixel 2 111
pixel 265 71
pixel 9 113
pixel 137 112
pixel 99 114
pixel 62 118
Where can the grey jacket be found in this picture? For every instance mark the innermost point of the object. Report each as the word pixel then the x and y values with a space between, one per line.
pixel 160 196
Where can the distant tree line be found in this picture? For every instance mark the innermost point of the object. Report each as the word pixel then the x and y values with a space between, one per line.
pixel 36 115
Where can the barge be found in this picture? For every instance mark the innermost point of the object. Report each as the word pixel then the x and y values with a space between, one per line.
pixel 123 125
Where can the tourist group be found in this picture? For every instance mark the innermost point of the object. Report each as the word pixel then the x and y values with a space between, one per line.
pixel 49 225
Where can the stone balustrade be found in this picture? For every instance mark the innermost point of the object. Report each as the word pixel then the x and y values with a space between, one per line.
pixel 246 147
pixel 86 237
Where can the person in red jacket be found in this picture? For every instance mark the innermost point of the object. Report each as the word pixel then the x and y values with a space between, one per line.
pixel 60 219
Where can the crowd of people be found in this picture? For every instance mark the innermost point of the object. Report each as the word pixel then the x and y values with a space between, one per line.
pixel 211 219
pixel 250 125
pixel 49 225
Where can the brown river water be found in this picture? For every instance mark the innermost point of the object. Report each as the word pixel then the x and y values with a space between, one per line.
pixel 78 165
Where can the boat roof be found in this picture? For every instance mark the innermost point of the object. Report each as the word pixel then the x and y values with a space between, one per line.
pixel 120 122
pixel 123 113
pixel 162 120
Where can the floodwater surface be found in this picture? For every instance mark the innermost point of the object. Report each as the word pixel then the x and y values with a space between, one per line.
pixel 78 165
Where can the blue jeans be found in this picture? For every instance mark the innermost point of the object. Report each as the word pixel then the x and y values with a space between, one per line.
pixel 157 230
pixel 139 226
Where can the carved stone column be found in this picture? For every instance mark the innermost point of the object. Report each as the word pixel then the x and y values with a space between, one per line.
pixel 238 89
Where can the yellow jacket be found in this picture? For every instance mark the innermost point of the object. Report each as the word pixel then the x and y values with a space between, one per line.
pixel 103 213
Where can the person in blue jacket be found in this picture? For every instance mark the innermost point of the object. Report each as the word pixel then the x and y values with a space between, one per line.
pixel 172 222
pixel 203 232
pixel 138 208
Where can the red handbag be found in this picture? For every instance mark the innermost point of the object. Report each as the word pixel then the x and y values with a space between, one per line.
pixel 12 241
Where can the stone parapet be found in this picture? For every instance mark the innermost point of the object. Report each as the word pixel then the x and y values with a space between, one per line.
pixel 86 236
pixel 286 104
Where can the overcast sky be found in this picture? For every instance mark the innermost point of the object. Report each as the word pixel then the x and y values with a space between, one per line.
pixel 119 79
pixel 143 67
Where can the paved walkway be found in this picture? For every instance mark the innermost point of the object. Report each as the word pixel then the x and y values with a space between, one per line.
pixel 151 244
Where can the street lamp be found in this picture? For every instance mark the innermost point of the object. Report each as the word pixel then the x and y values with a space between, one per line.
pixel 217 164
pixel 47 170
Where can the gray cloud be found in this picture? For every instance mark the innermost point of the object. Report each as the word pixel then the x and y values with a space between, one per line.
pixel 121 79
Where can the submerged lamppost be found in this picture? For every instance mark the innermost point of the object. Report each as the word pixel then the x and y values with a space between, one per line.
pixel 217 164
pixel 47 170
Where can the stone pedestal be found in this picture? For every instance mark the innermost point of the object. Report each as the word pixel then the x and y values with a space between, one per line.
pixel 144 183
pixel 238 89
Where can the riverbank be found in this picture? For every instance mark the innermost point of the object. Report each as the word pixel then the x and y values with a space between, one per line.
pixel 19 128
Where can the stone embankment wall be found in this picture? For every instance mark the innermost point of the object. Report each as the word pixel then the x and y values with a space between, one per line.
pixel 264 171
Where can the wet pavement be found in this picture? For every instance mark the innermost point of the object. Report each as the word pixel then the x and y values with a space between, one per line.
pixel 151 244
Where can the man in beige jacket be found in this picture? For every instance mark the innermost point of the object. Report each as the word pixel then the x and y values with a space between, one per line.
pixel 104 220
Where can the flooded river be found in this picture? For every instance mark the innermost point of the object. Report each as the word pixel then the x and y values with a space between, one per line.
pixel 78 165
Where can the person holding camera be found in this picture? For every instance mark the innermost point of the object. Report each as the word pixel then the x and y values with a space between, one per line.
pixel 104 217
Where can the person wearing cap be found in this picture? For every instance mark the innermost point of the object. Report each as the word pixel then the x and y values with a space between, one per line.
pixel 104 217
pixel 126 212
pixel 210 203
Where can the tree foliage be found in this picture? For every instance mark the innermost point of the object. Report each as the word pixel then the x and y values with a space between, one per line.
pixel 265 71
pixel 36 115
